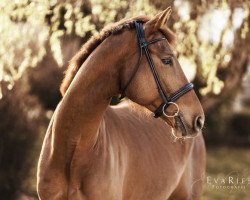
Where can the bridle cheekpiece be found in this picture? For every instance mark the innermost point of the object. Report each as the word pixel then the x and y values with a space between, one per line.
pixel 167 100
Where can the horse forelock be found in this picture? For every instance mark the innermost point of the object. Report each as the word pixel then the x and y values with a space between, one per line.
pixel 116 28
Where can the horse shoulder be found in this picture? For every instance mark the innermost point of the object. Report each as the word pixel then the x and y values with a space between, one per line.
pixel 50 180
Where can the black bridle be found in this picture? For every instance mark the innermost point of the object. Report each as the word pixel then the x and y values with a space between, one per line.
pixel 167 100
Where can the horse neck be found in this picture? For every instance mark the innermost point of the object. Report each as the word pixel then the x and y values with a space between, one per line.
pixel 89 94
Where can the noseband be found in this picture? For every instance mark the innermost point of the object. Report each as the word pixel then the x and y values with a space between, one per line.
pixel 167 100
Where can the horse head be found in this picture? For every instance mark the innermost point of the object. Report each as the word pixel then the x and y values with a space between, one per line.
pixel 153 77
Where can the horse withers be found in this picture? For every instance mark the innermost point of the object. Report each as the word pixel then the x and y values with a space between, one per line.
pixel 93 151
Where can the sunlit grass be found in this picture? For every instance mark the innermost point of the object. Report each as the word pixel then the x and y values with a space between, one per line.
pixel 223 162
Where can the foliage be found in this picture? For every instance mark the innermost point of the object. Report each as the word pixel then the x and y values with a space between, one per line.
pixel 33 30
pixel 26 25
pixel 208 46
pixel 22 118
pixel 207 49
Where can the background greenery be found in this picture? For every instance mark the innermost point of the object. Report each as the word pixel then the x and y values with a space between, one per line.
pixel 38 38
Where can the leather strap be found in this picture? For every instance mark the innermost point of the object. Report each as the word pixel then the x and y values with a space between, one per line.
pixel 158 112
pixel 143 45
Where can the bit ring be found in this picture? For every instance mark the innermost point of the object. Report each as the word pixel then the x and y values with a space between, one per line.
pixel 176 112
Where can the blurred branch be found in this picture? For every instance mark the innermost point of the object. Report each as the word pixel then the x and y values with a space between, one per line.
pixel 43 20
pixel 232 74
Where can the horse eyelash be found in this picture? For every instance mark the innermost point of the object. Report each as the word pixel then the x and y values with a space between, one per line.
pixel 167 61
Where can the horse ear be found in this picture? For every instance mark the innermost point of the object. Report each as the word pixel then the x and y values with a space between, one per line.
pixel 155 18
pixel 158 22
pixel 162 18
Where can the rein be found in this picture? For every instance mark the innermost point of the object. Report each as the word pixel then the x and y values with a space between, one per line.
pixel 167 100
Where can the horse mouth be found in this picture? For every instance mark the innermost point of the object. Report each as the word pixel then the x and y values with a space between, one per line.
pixel 183 127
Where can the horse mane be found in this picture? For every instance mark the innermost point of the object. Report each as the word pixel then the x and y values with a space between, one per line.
pixel 76 62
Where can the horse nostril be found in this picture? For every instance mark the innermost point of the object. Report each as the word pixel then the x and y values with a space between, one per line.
pixel 198 123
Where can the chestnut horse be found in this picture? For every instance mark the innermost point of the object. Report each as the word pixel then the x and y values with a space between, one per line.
pixel 93 151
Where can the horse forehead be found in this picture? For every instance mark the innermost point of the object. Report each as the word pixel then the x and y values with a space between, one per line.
pixel 149 35
pixel 162 47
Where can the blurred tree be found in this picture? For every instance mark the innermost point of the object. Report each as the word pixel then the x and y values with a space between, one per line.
pixel 212 51
pixel 22 118
pixel 226 60
pixel 40 37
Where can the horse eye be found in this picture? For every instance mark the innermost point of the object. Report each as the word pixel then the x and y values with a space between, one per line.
pixel 167 61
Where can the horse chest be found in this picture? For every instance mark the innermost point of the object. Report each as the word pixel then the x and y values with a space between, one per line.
pixel 121 173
